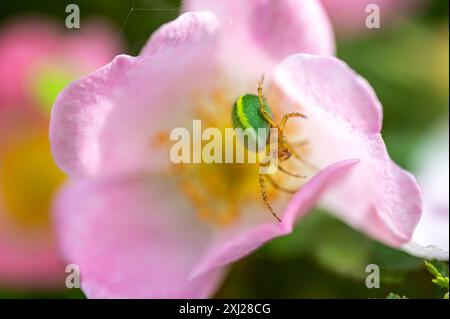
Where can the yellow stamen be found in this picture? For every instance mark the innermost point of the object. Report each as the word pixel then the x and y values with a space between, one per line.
pixel 28 178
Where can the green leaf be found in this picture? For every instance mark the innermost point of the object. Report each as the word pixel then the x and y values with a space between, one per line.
pixel 441 282
pixel 395 296
pixel 440 272
pixel 432 269
pixel 442 267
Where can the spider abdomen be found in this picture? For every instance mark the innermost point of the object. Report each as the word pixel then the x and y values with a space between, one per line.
pixel 247 116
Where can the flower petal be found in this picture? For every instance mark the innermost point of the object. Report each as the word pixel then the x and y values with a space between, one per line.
pixel 22 44
pixel 132 239
pixel 28 44
pixel 36 55
pixel 344 120
pixel 328 84
pixel 29 259
pixel 276 28
pixel 105 122
pixel 239 242
pixel 190 28
pixel 78 116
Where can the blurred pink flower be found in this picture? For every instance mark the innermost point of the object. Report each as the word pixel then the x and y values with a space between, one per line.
pixel 32 47
pixel 139 226
pixel 349 16
pixel 37 60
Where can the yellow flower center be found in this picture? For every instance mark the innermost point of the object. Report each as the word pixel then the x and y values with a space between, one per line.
pixel 28 178
pixel 222 191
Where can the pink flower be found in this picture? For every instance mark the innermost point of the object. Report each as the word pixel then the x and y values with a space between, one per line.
pixel 35 49
pixel 37 60
pixel 139 226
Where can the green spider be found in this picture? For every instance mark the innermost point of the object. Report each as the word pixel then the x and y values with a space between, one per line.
pixel 253 112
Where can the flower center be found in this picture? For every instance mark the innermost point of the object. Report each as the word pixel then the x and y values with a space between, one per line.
pixel 28 178
pixel 222 191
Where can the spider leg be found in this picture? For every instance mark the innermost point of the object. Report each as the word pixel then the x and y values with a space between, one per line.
pixel 265 198
pixel 262 109
pixel 284 170
pixel 301 158
pixel 287 116
pixel 289 173
pixel 278 187
pixel 300 143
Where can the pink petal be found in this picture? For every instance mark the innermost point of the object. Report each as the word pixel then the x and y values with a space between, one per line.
pixel 133 238
pixel 105 122
pixel 344 120
pixel 330 84
pixel 21 44
pixel 269 30
pixel 29 256
pixel 189 29
pixel 239 242
pixel 27 43
pixel 29 259
pixel 78 116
